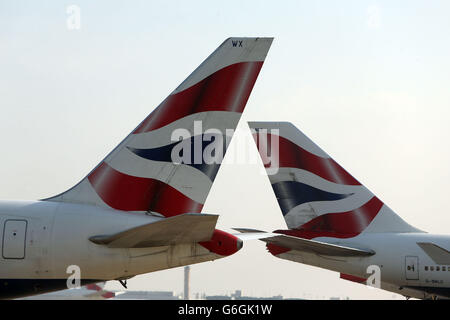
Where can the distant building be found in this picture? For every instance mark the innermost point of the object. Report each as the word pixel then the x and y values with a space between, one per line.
pixel 261 298
pixel 237 295
pixel 217 298
pixel 147 295
pixel 187 271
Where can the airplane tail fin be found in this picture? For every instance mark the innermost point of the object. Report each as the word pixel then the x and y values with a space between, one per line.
pixel 168 163
pixel 317 197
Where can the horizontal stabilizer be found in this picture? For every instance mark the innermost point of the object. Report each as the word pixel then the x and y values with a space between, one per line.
pixel 185 228
pixel 300 244
pixel 437 254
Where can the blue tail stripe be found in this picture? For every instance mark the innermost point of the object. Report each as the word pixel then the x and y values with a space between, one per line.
pixel 164 154
pixel 292 193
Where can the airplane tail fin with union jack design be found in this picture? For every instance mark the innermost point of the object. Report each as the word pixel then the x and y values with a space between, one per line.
pixel 167 165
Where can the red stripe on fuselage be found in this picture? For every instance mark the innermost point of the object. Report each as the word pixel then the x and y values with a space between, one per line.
pixel 334 225
pixel 227 89
pixel 128 193
pixel 291 155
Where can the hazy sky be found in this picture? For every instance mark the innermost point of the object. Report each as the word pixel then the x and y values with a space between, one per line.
pixel 366 80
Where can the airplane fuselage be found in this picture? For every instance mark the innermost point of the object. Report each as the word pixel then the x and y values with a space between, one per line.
pixel 404 267
pixel 41 239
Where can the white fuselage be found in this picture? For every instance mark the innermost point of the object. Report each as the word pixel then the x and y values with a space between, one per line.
pixel 404 267
pixel 41 239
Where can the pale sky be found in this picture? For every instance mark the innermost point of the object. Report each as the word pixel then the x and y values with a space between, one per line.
pixel 366 80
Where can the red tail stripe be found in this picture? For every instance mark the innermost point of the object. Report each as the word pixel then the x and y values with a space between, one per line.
pixel 293 156
pixel 335 225
pixel 225 90
pixel 129 193
pixel 343 224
